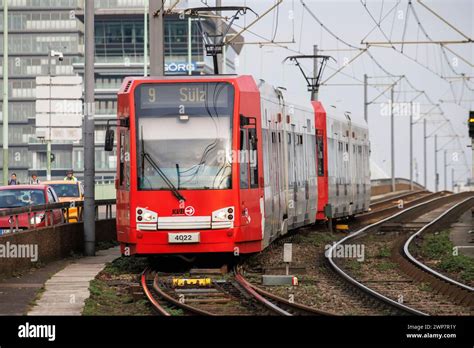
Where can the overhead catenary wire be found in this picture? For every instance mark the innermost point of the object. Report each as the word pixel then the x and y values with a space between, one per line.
pixel 368 50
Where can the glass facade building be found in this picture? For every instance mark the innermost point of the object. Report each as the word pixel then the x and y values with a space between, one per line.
pixel 37 26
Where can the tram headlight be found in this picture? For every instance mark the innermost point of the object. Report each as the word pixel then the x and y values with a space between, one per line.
pixel 146 215
pixel 224 214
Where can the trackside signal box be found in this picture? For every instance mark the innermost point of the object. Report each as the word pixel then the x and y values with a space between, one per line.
pixel 471 124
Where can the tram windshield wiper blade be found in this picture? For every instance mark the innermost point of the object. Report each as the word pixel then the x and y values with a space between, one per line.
pixel 155 166
pixel 168 182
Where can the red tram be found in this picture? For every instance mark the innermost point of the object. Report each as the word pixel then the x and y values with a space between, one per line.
pixel 222 164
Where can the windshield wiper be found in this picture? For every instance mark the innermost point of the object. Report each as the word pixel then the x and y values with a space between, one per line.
pixel 155 166
pixel 173 188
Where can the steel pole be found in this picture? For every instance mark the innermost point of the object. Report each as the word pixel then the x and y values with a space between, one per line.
pixel 48 140
pixel 411 146
pixel 445 176
pixel 89 146
pixel 190 52
pixel 5 93
pixel 436 161
pixel 48 156
pixel 472 162
pixel 157 59
pixel 424 155
pixel 314 92
pixel 145 39
pixel 452 179
pixel 392 139
pixel 220 59
pixel 366 114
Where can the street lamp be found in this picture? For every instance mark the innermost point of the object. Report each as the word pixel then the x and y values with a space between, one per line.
pixel 60 56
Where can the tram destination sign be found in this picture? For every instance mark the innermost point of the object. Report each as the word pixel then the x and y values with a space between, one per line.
pixel 169 95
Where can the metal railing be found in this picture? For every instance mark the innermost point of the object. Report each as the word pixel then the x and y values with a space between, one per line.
pixel 47 211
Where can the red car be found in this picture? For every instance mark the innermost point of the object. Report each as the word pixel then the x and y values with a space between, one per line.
pixel 26 195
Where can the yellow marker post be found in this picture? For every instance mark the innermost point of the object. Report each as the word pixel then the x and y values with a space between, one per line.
pixel 342 227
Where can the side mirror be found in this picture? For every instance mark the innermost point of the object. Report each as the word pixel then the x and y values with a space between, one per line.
pixel 109 139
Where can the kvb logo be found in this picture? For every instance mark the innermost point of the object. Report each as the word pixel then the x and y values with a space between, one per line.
pixel 189 210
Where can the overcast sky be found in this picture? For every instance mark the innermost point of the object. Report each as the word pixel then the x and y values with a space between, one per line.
pixel 350 21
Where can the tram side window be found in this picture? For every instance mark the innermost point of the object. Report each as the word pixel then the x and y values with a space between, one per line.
pixel 320 152
pixel 124 160
pixel 252 133
pixel 244 175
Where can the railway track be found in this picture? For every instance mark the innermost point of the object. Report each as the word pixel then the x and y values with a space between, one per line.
pixel 391 205
pixel 386 281
pixel 235 295
pixel 458 292
pixel 285 307
pixel 230 294
pixel 331 293
pixel 390 201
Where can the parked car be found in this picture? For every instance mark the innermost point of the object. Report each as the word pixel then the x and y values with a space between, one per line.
pixel 69 191
pixel 28 195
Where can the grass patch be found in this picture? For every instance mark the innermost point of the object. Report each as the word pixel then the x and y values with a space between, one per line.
pixel 174 311
pixel 384 252
pixel 439 247
pixel 106 244
pixel 35 300
pixel 107 300
pixel 315 238
pixel 110 291
pixel 385 266
pixel 435 246
pixel 126 264
pixel 425 287
pixel 461 264
pixel 353 265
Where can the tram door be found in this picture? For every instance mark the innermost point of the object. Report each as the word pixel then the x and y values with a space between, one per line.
pixel 123 184
pixel 250 197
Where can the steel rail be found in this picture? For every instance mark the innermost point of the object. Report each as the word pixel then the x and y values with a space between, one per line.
pixel 422 230
pixel 150 296
pixel 249 289
pixel 295 305
pixel 366 289
pixel 176 302
pixel 383 298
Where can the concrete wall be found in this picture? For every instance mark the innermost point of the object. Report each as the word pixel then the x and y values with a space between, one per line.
pixel 382 186
pixel 380 190
pixel 52 243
